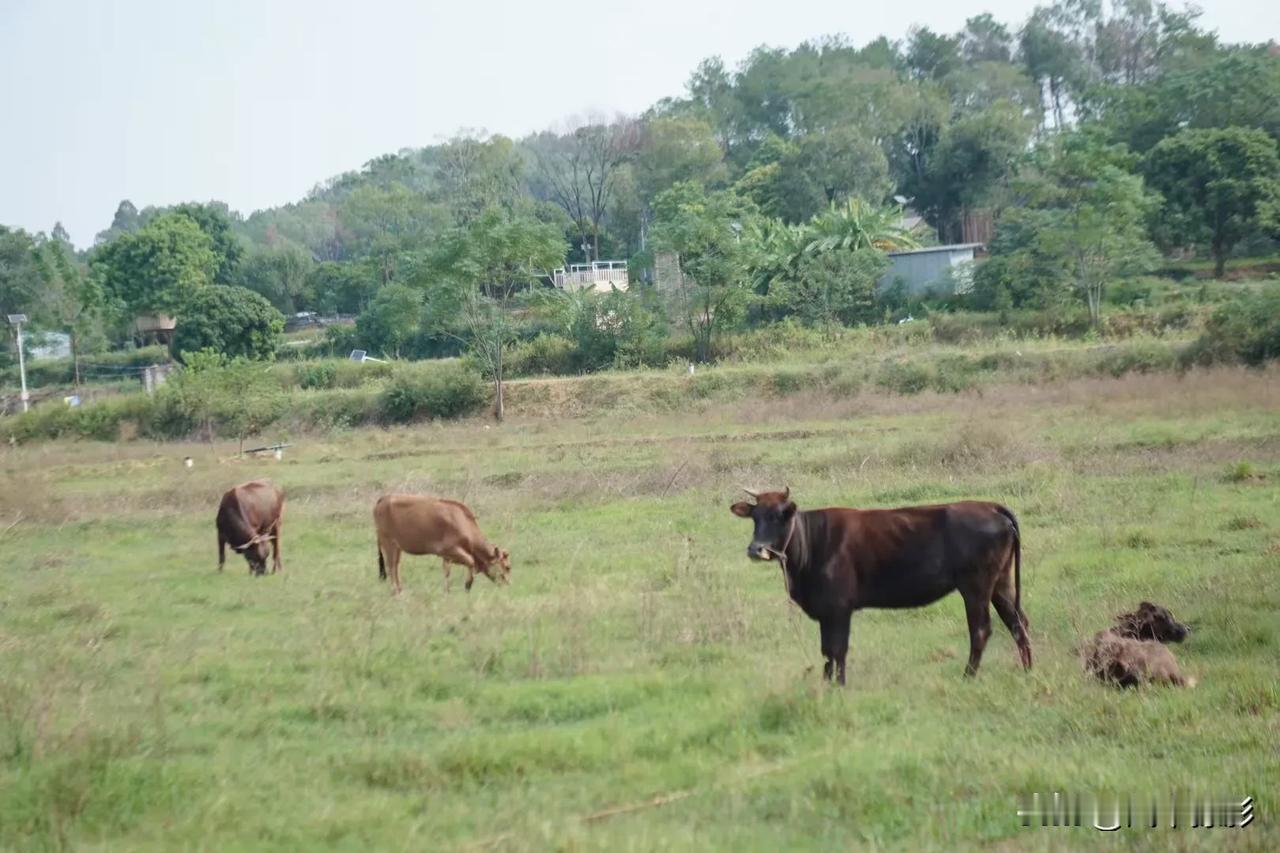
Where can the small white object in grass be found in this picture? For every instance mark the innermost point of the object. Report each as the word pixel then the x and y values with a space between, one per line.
pixel 188 462
pixel 279 453
pixel 691 370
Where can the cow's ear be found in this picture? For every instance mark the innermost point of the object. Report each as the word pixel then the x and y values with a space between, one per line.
pixel 742 509
pixel 497 552
pixel 789 509
pixel 1146 606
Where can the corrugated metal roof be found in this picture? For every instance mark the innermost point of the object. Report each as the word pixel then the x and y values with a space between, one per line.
pixel 952 247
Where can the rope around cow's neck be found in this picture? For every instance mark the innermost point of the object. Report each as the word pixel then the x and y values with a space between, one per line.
pixel 782 555
pixel 261 537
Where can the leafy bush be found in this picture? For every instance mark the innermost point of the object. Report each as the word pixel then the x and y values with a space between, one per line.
pixel 446 390
pixel 98 421
pixel 904 377
pixel 544 355
pixel 233 321
pixel 1245 330
pixel 234 397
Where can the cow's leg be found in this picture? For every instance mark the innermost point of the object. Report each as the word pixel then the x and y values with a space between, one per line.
pixel 222 550
pixel 840 644
pixel 448 574
pixel 1015 621
pixel 392 553
pixel 462 558
pixel 275 548
pixel 977 608
pixel 828 628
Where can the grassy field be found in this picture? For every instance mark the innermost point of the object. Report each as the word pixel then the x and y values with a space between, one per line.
pixel 640 685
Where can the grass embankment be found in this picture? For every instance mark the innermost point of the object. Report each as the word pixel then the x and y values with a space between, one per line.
pixel 637 659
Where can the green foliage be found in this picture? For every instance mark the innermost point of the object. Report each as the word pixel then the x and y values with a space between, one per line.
pixel 229 320
pixel 834 287
pixel 283 276
pixel 1218 185
pixel 447 390
pixel 215 220
pixel 391 320
pixel 339 288
pixel 703 230
pixel 159 268
pixel 543 355
pixel 1245 330
pixel 1080 226
pixel 233 397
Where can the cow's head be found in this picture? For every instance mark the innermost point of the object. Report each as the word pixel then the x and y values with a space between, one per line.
pixel 256 553
pixel 498 566
pixel 1153 622
pixel 772 514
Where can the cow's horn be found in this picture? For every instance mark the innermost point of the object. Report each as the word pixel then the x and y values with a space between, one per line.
pixel 748 491
pixel 786 492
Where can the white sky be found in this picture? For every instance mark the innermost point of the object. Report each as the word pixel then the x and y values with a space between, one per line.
pixel 253 103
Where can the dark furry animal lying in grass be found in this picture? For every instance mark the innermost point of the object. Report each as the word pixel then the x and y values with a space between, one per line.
pixel 1131 652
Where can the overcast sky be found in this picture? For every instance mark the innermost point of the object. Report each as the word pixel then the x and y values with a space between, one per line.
pixel 255 101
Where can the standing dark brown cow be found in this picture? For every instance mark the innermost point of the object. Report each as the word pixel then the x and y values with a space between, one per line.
pixel 836 561
pixel 249 520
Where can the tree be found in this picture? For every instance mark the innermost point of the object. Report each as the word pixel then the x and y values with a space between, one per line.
pixel 984 39
pixel 678 148
pixel 282 275
pixel 233 321
pixel 1081 219
pixel 391 320
pixel 488 263
pixel 158 268
pixel 931 56
pixel 386 222
pixel 125 221
pixel 71 297
pixel 478 173
pixel 579 172
pixel 19 284
pixel 1218 185
pixel 969 166
pixel 340 287
pixel 834 288
pixel 703 230
pixel 215 220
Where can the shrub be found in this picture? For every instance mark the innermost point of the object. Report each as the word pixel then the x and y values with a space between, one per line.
pixel 1244 330
pixel 318 374
pixel 904 377
pixel 546 354
pixel 447 390
pixel 1141 357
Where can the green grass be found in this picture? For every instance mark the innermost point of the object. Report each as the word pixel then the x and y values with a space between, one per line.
pixel 639 685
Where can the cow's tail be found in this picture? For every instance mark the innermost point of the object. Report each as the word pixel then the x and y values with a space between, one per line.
pixel 382 566
pixel 1017 557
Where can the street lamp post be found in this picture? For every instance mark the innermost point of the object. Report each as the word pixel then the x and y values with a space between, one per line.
pixel 17 320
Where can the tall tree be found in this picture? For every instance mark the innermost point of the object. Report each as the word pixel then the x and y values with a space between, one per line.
pixel 157 269
pixel 489 263
pixel 703 229
pixel 1219 186
pixel 71 297
pixel 579 173
pixel 984 39
pixel 216 220
pixel 126 220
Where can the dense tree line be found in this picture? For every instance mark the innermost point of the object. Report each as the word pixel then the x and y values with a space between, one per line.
pixel 1094 135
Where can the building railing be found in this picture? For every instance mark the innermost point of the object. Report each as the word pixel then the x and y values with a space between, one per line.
pixel 600 272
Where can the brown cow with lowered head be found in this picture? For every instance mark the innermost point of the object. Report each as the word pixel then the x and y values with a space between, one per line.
pixel 835 561
pixel 416 524
pixel 249 519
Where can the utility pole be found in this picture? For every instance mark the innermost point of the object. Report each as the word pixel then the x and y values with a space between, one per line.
pixel 17 320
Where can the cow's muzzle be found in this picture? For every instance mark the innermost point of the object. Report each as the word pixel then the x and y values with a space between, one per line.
pixel 756 551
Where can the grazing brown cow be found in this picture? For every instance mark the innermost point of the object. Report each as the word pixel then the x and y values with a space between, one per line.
pixel 415 524
pixel 249 520
pixel 835 561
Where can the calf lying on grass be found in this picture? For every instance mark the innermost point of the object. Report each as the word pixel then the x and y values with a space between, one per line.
pixel 1131 652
